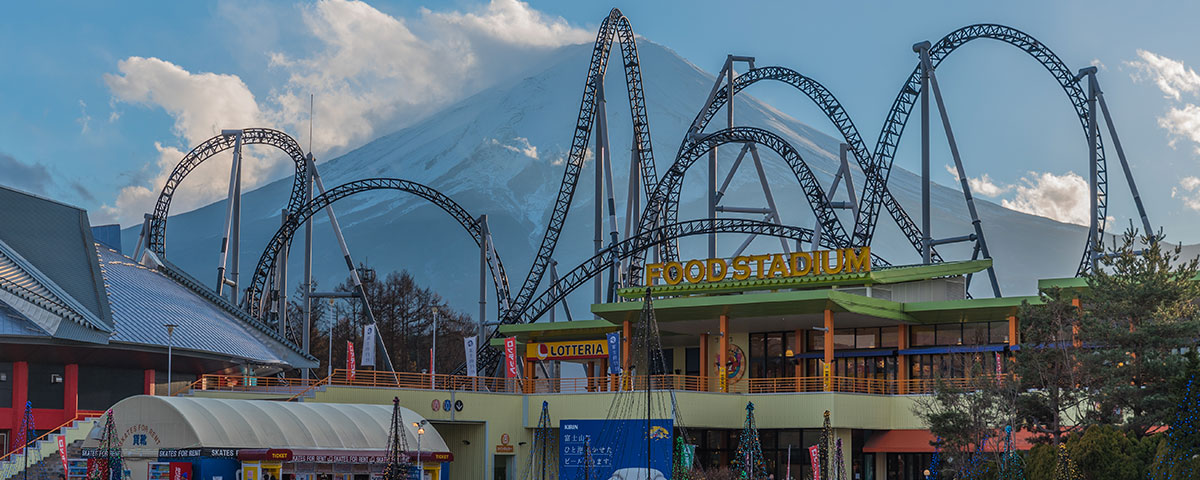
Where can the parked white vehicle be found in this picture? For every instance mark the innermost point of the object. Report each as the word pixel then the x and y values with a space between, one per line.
pixel 637 474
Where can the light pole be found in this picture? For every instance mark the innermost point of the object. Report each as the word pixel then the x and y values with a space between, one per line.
pixel 170 345
pixel 433 360
pixel 420 431
pixel 329 365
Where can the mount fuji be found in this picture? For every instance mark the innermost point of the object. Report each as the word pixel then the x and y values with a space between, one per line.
pixel 500 152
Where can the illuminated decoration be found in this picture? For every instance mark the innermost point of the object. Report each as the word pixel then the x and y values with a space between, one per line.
pixel 1179 459
pixel 567 350
pixel 685 457
pixel 543 454
pixel 839 463
pixel 1011 465
pixel 1064 468
pixel 779 265
pixel 108 465
pixel 975 468
pixel 823 447
pixel 399 466
pixel 935 462
pixel 748 461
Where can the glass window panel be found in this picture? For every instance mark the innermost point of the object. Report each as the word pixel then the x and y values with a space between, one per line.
pixel 843 338
pixel 949 334
pixel 999 332
pixel 790 437
pixel 975 334
pixel 756 345
pixel 767 437
pixel 866 338
pixel 774 345
pixel 889 337
pixel 816 341
pixel 922 335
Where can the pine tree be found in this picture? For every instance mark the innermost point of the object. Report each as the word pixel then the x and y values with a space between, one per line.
pixel 748 460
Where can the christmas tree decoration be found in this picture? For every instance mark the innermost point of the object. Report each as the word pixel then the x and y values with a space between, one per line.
pixel 399 466
pixel 685 457
pixel 823 447
pixel 839 463
pixel 108 465
pixel 1012 467
pixel 25 436
pixel 975 467
pixel 543 453
pixel 1183 438
pixel 1064 468
pixel 936 461
pixel 587 469
pixel 748 460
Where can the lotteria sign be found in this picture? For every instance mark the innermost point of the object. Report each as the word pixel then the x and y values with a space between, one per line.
pixel 567 350
pixel 779 265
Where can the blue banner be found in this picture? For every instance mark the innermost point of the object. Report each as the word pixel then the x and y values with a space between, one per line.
pixel 614 353
pixel 615 449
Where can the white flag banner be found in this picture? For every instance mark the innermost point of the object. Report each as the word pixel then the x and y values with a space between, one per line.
pixel 469 348
pixel 368 347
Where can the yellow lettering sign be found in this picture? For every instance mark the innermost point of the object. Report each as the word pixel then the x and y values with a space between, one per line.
pixel 798 264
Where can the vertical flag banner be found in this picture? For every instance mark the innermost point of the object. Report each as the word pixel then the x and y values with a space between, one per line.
pixel 469 350
pixel 62 450
pixel 614 353
pixel 510 358
pixel 368 353
pixel 814 454
pixel 350 358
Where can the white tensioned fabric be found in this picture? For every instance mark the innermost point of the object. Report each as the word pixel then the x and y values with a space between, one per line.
pixel 183 422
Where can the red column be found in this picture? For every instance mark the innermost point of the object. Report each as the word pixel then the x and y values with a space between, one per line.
pixel 20 379
pixel 70 391
pixel 148 383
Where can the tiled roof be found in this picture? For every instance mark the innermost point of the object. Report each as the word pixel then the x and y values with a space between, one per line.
pixel 143 300
pixel 14 324
pixel 25 289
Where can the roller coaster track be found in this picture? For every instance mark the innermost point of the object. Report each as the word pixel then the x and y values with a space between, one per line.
pixel 250 136
pixel 283 236
pixel 617 25
pixel 667 192
pixel 836 114
pixel 889 136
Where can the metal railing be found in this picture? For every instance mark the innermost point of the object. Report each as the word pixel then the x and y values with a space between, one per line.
pixel 423 381
pixel 81 415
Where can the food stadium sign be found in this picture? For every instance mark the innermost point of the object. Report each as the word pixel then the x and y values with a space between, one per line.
pixel 779 265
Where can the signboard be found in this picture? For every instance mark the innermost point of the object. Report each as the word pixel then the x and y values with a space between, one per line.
pixel 779 265
pixel 181 471
pixel 511 370
pixel 504 447
pixel 814 454
pixel 567 350
pixel 614 353
pixel 368 353
pixel 62 450
pixel 469 348
pixel 615 445
pixel 349 362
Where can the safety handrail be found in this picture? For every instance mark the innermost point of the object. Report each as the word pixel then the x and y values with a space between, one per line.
pixel 78 416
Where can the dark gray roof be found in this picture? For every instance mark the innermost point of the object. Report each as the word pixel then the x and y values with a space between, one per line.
pixel 14 324
pixel 143 300
pixel 56 239
pixel 25 289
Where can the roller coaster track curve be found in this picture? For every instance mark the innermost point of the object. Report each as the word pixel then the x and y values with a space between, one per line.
pixel 616 25
pixel 283 236
pixel 893 128
pixel 157 241
pixel 833 110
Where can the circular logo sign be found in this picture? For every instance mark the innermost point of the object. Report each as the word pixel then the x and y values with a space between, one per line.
pixel 504 439
pixel 436 405
pixel 446 405
pixel 458 405
pixel 543 351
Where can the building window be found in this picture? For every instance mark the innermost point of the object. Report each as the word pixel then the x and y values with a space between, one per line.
pixel 923 335
pixel 768 354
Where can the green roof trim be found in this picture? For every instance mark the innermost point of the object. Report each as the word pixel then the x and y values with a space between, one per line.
pixel 558 330
pixel 878 276
pixel 1063 283
pixel 875 307
pixel 967 310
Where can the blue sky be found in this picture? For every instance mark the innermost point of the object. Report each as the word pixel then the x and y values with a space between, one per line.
pixel 98 102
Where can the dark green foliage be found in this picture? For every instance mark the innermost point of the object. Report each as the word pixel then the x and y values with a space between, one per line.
pixel 1046 368
pixel 963 418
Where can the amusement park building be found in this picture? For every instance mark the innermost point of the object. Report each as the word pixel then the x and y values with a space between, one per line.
pixel 83 326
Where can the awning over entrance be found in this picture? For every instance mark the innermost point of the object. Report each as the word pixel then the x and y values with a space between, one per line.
pixel 146 424
pixel 921 441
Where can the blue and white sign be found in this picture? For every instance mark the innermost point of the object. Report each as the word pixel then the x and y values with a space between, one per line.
pixel 618 449
pixel 614 353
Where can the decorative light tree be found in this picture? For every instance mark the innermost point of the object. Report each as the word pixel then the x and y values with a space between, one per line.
pixel 1011 465
pixel 936 462
pixel 1183 438
pixel 26 435
pixel 1064 468
pixel 748 461
pixel 839 463
pixel 543 453
pixel 823 447
pixel 108 459
pixel 399 466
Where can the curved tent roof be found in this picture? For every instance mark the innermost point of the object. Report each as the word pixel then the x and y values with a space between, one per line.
pixel 182 422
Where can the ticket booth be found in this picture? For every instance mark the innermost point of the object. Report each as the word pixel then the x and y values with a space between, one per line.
pixel 263 464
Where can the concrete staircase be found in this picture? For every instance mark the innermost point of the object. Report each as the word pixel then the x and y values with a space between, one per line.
pixel 44 461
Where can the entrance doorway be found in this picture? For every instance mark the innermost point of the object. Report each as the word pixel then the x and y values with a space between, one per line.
pixel 504 467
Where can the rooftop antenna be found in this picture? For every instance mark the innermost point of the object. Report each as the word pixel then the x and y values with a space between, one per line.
pixel 310 120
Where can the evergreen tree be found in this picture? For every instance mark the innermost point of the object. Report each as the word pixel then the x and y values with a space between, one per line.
pixel 748 460
pixel 962 416
pixel 1179 459
pixel 1046 368
pixel 1140 313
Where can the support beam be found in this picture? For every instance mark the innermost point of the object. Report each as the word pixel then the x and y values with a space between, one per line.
pixel 230 205
pixel 598 162
pixel 1013 338
pixel 902 369
pixel 626 343
pixel 722 353
pixel 766 188
pixel 281 284
pixel 147 382
pixel 1094 240
pixel 70 390
pixel 1112 134
pixel 20 395
pixel 827 351
pixel 483 230
pixel 306 282
pixel 704 361
pixel 923 49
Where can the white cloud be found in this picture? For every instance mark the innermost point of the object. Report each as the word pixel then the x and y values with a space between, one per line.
pixel 981 185
pixel 520 145
pixel 1059 197
pixel 1171 76
pixel 370 72
pixel 1098 64
pixel 1189 194
pixel 84 119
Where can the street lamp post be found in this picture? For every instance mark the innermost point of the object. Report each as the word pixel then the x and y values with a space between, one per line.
pixel 170 346
pixel 329 365
pixel 420 432
pixel 433 360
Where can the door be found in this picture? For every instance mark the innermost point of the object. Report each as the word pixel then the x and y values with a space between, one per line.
pixel 504 467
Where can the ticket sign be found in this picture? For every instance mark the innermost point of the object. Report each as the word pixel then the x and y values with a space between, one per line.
pixel 567 350
pixel 779 265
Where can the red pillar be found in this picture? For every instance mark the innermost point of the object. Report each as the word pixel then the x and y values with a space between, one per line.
pixel 20 379
pixel 148 384
pixel 70 391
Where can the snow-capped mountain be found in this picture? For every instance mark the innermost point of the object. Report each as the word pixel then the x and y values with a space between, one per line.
pixel 500 153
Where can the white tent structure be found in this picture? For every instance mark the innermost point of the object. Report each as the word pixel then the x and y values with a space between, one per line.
pixel 145 424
